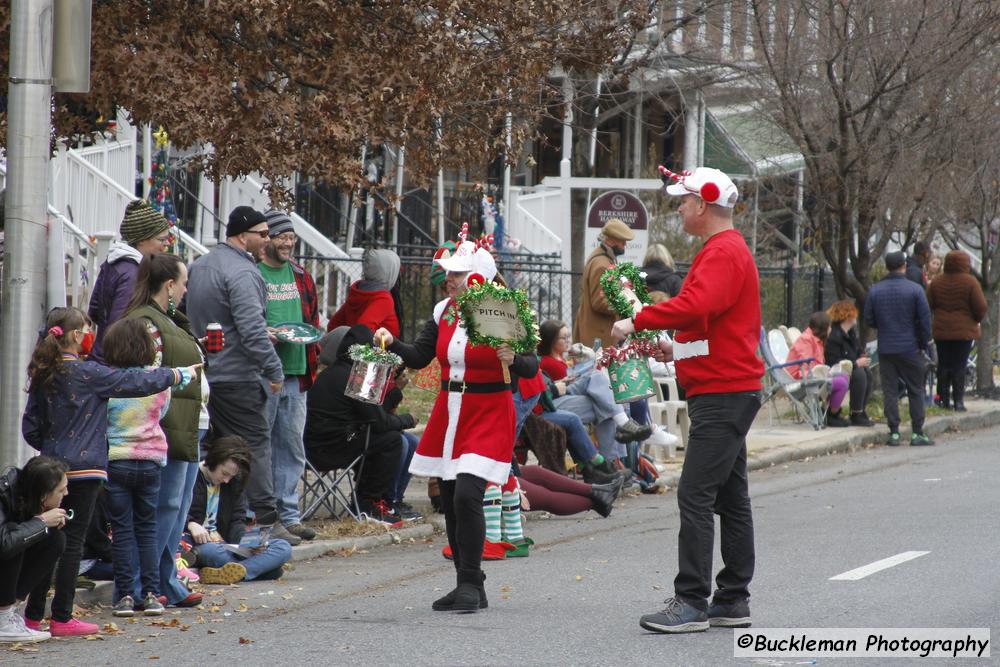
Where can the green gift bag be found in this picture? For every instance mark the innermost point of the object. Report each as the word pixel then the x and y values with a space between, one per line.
pixel 631 380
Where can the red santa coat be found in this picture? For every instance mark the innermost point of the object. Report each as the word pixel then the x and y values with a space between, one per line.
pixel 466 432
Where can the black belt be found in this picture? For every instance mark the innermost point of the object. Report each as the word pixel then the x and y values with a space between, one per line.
pixel 474 387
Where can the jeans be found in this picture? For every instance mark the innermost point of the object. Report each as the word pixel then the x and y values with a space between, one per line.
pixel 132 495
pixel 286 414
pixel 81 499
pixel 597 387
pixel 410 442
pixel 30 569
pixel 239 408
pixel 580 446
pixel 909 368
pixel 714 480
pixel 522 408
pixel 265 565
pixel 176 487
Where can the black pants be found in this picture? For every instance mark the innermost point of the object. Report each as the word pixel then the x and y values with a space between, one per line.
pixel 381 463
pixel 80 499
pixel 910 368
pixel 953 359
pixel 239 408
pixel 462 500
pixel 860 387
pixel 714 480
pixel 31 570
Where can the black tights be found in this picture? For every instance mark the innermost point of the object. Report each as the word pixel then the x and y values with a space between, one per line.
pixel 462 500
pixel 30 571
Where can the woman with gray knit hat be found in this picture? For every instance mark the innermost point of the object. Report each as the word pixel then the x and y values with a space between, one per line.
pixel 370 301
pixel 145 232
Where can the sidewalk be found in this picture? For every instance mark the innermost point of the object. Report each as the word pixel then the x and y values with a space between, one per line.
pixel 769 443
pixel 772 442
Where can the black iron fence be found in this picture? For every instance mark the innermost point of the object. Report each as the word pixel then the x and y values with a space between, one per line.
pixel 788 295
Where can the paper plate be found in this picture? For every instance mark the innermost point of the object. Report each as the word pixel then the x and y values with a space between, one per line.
pixel 297 332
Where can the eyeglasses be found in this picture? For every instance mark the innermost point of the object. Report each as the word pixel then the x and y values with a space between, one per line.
pixel 263 233
pixel 566 337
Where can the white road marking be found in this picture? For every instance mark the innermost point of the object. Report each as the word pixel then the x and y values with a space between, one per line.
pixel 933 479
pixel 878 566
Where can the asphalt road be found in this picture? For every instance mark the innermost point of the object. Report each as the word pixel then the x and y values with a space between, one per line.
pixel 578 598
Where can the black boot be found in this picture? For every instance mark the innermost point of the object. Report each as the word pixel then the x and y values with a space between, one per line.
pixel 958 391
pixel 834 419
pixel 451 601
pixel 944 389
pixel 604 496
pixel 595 475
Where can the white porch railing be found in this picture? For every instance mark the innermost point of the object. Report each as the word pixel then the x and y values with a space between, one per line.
pixel 532 210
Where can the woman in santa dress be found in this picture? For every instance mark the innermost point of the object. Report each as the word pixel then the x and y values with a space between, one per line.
pixel 469 439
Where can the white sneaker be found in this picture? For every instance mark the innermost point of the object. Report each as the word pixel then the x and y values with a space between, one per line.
pixel 661 438
pixel 13 629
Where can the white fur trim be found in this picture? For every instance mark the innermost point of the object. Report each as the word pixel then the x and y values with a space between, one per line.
pixel 473 464
pixel 439 310
pixel 694 348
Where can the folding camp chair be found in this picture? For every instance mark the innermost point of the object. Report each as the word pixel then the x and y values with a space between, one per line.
pixel 336 489
pixel 806 394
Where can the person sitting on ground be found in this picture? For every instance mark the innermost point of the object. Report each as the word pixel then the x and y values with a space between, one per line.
pixel 548 491
pixel 842 345
pixel 588 396
pixel 809 347
pixel 31 539
pixel 217 519
pixel 336 425
pixel 369 301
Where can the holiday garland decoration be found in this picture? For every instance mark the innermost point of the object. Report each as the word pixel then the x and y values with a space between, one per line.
pixel 614 282
pixel 633 348
pixel 373 355
pixel 160 196
pixel 480 290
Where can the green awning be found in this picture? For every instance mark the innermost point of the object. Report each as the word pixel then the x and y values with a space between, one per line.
pixel 743 142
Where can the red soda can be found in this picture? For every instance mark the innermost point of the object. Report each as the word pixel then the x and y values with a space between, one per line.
pixel 214 341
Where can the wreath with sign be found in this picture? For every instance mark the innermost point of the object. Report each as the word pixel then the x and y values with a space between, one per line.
pixel 615 281
pixel 480 289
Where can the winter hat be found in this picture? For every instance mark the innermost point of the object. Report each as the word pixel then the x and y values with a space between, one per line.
pixel 616 229
pixel 380 267
pixel 278 222
pixel 329 344
pixel 437 273
pixel 241 219
pixel 141 222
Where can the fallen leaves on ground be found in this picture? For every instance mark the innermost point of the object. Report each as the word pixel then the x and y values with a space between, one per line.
pixel 244 640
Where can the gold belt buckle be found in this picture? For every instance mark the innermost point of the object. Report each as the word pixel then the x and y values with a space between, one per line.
pixel 463 386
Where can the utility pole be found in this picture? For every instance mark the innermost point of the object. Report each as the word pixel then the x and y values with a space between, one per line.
pixel 26 226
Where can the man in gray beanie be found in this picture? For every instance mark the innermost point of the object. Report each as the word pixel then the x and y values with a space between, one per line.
pixel 291 297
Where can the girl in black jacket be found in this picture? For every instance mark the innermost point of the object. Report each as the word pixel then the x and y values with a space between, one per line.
pixel 30 540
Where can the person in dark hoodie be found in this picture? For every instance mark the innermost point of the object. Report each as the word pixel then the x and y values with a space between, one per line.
pixel 659 267
pixel 957 307
pixel 370 301
pixel 145 232
pixel 335 427
pixel 916 262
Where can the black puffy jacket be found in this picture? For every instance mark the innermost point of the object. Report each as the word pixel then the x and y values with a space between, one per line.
pixel 15 535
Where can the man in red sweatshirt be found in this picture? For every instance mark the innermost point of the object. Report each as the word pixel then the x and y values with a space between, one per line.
pixel 717 318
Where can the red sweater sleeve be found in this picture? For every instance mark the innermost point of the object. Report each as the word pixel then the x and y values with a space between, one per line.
pixel 554 368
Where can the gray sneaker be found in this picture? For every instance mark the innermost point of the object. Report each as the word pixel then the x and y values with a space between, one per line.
pixel 279 532
pixel 633 431
pixel 151 606
pixel 734 614
pixel 124 608
pixel 305 532
pixel 676 618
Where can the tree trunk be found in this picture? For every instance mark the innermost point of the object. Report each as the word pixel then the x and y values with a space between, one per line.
pixel 987 340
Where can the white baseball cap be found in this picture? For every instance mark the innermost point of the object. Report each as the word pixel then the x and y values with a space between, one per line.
pixel 713 186
pixel 461 261
pixel 483 263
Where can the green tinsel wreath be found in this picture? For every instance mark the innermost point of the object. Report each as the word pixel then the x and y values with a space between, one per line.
pixel 373 355
pixel 613 286
pixel 476 293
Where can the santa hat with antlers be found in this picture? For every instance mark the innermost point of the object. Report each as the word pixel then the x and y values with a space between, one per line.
pixel 711 185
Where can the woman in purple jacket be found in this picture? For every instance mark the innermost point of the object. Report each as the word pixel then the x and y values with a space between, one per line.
pixel 145 232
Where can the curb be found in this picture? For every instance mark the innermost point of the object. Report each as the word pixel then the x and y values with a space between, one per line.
pixel 788 453
pixel 104 590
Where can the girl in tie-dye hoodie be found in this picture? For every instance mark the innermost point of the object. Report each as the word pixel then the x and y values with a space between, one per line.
pixel 137 450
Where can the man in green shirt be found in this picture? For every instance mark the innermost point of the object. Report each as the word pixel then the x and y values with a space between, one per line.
pixel 291 297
